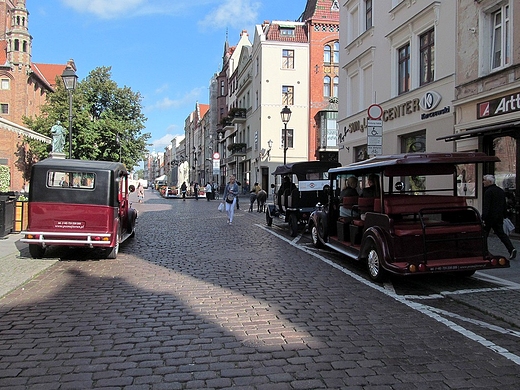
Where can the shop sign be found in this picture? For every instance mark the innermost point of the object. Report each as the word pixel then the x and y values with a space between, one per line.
pixel 499 106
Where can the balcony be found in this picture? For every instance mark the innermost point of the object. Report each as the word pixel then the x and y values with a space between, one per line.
pixel 237 115
pixel 237 149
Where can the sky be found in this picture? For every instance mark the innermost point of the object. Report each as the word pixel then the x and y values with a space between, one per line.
pixel 167 50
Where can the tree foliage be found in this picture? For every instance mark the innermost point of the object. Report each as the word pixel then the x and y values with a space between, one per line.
pixel 107 120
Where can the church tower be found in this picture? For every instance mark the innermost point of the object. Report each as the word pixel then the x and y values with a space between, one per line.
pixel 19 41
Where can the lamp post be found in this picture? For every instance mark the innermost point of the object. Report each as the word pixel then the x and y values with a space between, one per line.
pixel 70 78
pixel 286 117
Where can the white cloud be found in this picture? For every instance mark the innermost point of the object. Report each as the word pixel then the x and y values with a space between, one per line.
pixel 188 99
pixel 232 13
pixel 161 143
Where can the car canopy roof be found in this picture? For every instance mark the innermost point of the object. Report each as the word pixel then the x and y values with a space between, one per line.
pixel 415 163
pixel 304 167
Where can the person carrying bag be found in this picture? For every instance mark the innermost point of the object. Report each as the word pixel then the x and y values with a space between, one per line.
pixel 230 196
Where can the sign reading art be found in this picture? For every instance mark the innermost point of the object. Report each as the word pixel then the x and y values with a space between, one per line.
pixel 499 106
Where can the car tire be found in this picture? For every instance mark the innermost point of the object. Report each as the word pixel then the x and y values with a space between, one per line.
pixel 315 236
pixel 374 267
pixel 36 251
pixel 293 225
pixel 268 218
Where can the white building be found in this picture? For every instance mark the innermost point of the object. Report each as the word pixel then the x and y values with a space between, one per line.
pixel 399 54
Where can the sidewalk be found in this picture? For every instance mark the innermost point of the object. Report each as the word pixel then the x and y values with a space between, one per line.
pixel 16 265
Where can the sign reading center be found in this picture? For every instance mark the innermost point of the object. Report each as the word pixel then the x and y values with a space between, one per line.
pixel 375 130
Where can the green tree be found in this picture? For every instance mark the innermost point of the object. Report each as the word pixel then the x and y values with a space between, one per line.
pixel 107 120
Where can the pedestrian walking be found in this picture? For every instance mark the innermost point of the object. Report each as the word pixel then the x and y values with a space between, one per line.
pixel 184 187
pixel 209 191
pixel 196 190
pixel 230 198
pixel 494 211
pixel 140 192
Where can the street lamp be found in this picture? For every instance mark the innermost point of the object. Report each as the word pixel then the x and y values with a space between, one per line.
pixel 286 117
pixel 69 79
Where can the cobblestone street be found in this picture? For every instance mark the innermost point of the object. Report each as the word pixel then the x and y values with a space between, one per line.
pixel 192 303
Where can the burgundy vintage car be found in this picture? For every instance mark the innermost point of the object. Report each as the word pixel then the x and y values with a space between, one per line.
pixel 414 220
pixel 79 203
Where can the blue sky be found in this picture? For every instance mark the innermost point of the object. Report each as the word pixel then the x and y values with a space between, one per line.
pixel 167 50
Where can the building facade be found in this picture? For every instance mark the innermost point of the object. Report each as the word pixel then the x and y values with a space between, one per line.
pixel 487 91
pixel 399 55
pixel 24 86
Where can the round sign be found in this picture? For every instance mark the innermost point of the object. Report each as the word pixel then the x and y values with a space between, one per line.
pixel 375 111
pixel 216 156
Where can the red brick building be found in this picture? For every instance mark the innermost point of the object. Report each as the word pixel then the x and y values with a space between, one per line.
pixel 321 18
pixel 23 86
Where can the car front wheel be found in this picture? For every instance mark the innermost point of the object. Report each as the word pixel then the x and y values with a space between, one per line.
pixel 315 236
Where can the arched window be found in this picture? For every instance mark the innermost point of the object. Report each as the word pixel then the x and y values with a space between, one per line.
pixel 326 86
pixel 326 54
pixel 16 45
pixel 24 46
pixel 335 88
pixel 336 52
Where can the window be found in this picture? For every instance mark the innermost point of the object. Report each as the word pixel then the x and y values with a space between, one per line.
pixel 287 31
pixel 4 108
pixel 336 53
pixel 85 180
pixel 335 87
pixel 287 95
pixel 290 141
pixel 500 45
pixel 4 84
pixel 368 14
pixel 326 54
pixel 16 45
pixel 222 89
pixel 287 59
pixel 404 68
pixel 427 57
pixel 326 86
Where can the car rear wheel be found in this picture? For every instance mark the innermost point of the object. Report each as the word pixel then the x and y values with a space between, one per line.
pixel 36 251
pixel 293 225
pixel 374 258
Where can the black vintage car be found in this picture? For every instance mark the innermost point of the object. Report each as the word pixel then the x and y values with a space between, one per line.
pixel 414 221
pixel 299 187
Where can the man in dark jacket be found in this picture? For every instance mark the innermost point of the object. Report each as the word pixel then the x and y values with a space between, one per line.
pixel 493 212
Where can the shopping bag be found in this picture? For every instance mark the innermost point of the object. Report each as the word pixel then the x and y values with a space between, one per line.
pixel 508 226
pixel 221 207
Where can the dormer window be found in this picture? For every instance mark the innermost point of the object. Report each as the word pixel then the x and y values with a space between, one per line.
pixel 287 31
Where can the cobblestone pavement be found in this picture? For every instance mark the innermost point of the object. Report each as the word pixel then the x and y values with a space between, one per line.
pixel 192 303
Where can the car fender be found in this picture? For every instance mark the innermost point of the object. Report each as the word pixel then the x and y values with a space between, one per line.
pixel 380 238
pixel 319 219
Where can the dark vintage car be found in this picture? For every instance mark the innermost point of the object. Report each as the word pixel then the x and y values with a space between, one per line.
pixel 415 223
pixel 299 187
pixel 79 203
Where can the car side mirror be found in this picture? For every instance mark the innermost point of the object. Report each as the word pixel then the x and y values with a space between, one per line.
pixel 131 188
pixel 399 186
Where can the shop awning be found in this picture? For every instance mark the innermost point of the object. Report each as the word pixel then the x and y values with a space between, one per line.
pixel 161 178
pixel 478 131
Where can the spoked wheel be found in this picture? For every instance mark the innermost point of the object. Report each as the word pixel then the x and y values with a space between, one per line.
pixel 293 225
pixel 376 272
pixel 314 236
pixel 36 251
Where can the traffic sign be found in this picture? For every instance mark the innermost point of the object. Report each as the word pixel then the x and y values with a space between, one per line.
pixel 375 111
pixel 374 150
pixel 374 140
pixel 216 156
